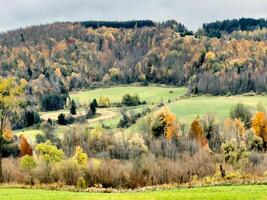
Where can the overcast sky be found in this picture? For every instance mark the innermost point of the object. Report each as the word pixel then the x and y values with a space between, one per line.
pixel 21 13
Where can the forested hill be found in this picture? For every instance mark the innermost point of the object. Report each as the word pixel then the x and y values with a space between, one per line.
pixel 218 28
pixel 61 57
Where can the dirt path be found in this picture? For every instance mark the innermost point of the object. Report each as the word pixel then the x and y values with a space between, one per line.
pixel 105 114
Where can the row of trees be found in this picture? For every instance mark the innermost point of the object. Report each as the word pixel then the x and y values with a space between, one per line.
pixel 216 29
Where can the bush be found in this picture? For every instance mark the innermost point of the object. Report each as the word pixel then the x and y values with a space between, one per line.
pixel 131 100
pixel 27 164
pixel 11 171
pixel 253 142
pixel 137 147
pixel 67 171
pixel 234 153
pixel 242 113
pixel 61 119
pixel 81 183
pixel 103 102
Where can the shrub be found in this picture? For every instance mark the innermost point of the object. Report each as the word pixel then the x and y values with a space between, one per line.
pixel 130 100
pixel 81 183
pixel 27 164
pixel 67 171
pixel 253 142
pixel 242 113
pixel 80 157
pixel 48 152
pixel 137 147
pixel 235 153
pixel 103 102
pixel 62 119
pixel 12 172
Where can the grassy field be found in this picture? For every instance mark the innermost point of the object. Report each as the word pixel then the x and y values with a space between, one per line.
pixel 188 109
pixel 256 192
pixel 185 109
pixel 30 133
pixel 151 94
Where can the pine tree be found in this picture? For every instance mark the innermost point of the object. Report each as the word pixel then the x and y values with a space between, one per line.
pixel 73 108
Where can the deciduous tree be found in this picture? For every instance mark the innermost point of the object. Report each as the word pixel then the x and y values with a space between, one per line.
pixel 259 125
pixel 10 97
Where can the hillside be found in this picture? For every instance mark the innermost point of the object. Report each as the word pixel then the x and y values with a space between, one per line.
pixel 65 56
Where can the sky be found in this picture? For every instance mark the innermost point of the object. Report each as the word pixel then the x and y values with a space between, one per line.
pixel 193 13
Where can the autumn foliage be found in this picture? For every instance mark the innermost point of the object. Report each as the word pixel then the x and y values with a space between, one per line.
pixel 25 147
pixel 196 132
pixel 259 125
pixel 165 124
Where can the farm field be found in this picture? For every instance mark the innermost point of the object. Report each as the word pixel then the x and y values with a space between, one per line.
pixel 189 108
pixel 254 192
pixel 150 94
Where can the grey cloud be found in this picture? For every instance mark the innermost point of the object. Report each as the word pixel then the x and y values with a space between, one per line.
pixel 20 13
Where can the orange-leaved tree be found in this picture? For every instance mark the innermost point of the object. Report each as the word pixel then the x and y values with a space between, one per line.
pixel 25 147
pixel 197 132
pixel 259 125
pixel 165 124
pixel 10 96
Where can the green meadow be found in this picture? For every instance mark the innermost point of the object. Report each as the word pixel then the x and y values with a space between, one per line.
pixel 245 192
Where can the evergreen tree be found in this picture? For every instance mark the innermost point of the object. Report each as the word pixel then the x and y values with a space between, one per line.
pixel 73 108
pixel 93 107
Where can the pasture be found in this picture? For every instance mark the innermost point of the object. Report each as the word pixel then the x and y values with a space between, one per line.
pixel 150 94
pixel 189 108
pixel 244 192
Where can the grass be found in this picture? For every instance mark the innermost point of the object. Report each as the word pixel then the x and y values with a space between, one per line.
pixel 31 133
pixel 28 133
pixel 245 192
pixel 151 94
pixel 187 109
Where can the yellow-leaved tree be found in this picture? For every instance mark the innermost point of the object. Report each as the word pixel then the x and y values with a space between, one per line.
pixel 10 97
pixel 165 123
pixel 259 125
pixel 197 132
